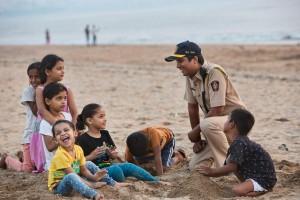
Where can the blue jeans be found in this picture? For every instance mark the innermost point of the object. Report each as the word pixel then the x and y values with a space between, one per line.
pixel 94 168
pixel 72 182
pixel 120 171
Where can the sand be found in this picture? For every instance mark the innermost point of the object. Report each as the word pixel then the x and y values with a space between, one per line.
pixel 139 89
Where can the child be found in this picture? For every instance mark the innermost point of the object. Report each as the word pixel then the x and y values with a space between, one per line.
pixel 52 71
pixel 99 147
pixel 68 162
pixel 28 100
pixel 153 143
pixel 55 95
pixel 249 161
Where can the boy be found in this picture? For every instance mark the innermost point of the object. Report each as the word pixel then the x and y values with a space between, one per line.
pixel 153 143
pixel 249 161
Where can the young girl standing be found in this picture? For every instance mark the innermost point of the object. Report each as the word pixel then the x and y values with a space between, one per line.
pixel 52 71
pixel 28 100
pixel 68 162
pixel 99 147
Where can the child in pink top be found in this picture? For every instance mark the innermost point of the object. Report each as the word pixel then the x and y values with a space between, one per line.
pixel 52 71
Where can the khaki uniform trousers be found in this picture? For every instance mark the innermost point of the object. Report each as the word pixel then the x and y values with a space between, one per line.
pixel 217 144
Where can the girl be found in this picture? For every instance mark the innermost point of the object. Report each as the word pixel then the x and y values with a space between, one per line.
pixel 99 147
pixel 55 95
pixel 52 71
pixel 68 162
pixel 28 100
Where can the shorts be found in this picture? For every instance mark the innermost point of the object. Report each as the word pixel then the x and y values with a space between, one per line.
pixel 166 155
pixel 257 187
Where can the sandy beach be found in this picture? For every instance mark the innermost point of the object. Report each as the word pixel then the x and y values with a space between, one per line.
pixel 139 89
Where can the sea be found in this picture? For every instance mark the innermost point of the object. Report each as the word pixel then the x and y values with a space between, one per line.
pixel 24 22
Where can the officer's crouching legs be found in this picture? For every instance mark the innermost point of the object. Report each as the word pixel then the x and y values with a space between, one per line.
pixel 212 129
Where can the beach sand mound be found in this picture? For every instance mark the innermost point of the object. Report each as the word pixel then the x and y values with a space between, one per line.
pixel 181 184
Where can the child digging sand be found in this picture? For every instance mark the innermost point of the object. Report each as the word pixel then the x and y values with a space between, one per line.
pixel 249 161
pixel 153 144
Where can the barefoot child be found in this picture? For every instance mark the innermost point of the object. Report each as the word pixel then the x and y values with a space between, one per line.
pixel 28 100
pixel 99 147
pixel 153 144
pixel 68 164
pixel 249 161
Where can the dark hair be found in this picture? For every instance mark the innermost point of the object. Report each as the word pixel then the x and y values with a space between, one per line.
pixel 35 65
pixel 87 112
pixel 53 89
pixel 48 62
pixel 243 120
pixel 200 58
pixel 137 143
pixel 61 121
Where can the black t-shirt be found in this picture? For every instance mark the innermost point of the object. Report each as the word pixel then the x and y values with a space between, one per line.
pixel 252 161
pixel 89 144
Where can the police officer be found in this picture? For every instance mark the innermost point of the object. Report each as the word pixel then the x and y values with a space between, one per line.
pixel 207 86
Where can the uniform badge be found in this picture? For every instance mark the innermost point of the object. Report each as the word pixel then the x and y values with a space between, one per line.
pixel 215 86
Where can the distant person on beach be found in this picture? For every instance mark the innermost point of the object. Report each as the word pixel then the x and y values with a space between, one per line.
pixel 47 34
pixel 87 34
pixel 207 86
pixel 23 163
pixel 246 159
pixel 153 145
pixel 99 147
pixel 94 34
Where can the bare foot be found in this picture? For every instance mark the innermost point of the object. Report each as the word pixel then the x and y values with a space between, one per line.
pixel 179 156
pixel 99 197
pixel 118 185
pixel 2 161
pixel 19 154
pixel 100 174
pixel 98 184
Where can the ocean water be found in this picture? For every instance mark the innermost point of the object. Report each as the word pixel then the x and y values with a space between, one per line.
pixel 150 21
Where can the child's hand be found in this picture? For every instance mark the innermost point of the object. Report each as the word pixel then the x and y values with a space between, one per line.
pixel 207 171
pixel 199 146
pixel 100 174
pixel 113 153
pixel 97 185
pixel 97 151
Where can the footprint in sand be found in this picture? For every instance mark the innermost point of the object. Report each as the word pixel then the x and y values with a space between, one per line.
pixel 282 119
pixel 166 123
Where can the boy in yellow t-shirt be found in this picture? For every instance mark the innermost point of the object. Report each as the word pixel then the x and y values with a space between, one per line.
pixel 68 162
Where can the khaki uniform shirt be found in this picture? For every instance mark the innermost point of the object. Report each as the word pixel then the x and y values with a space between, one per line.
pixel 219 90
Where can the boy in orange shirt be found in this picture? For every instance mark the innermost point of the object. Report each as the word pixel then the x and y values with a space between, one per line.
pixel 153 144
